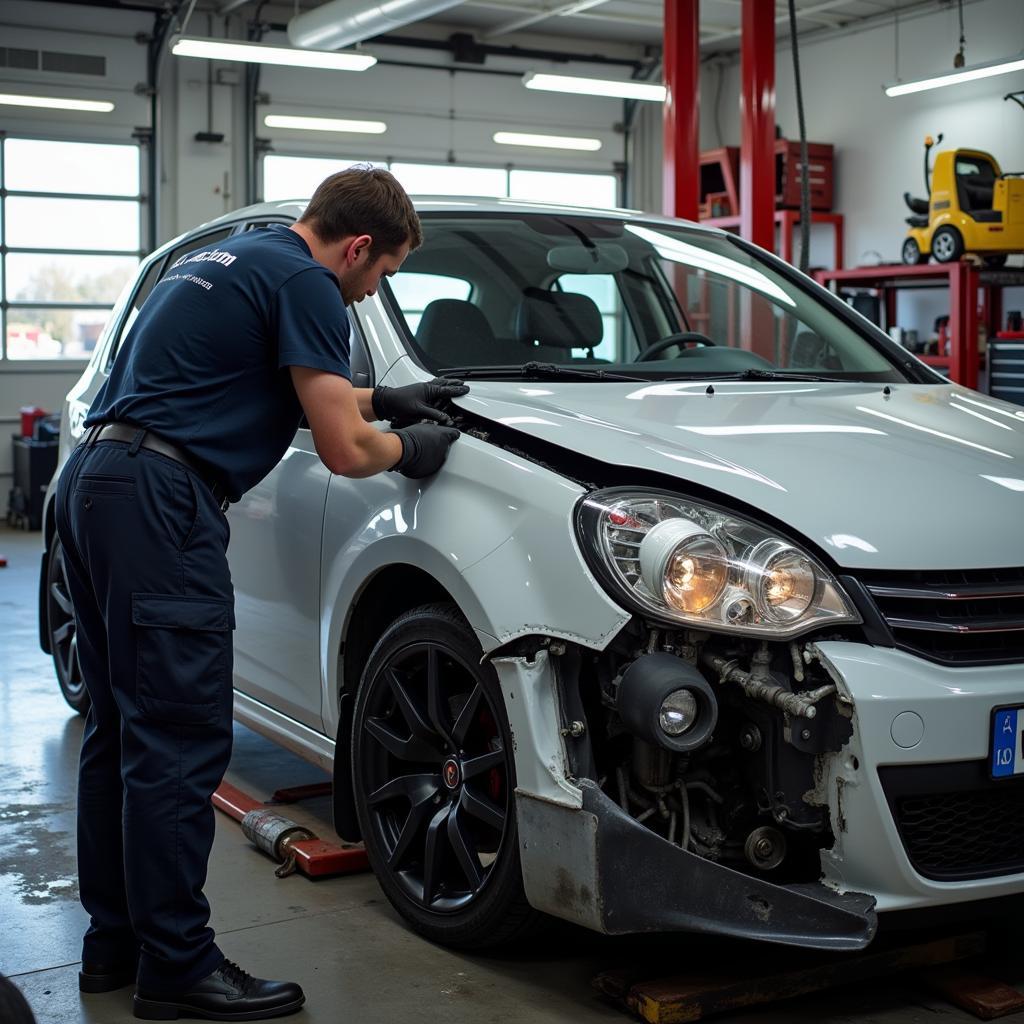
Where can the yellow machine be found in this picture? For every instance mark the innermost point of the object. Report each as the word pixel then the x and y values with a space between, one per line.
pixel 973 207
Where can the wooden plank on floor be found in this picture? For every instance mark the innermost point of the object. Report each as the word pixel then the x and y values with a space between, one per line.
pixel 702 993
pixel 985 997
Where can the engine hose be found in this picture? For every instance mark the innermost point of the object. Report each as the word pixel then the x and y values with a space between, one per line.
pixel 801 705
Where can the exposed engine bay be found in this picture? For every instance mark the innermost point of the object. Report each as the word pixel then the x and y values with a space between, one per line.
pixel 714 745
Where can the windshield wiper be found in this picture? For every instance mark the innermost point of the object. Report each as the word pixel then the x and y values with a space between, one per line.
pixel 535 371
pixel 757 374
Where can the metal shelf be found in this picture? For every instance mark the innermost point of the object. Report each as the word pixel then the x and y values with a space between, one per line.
pixel 963 280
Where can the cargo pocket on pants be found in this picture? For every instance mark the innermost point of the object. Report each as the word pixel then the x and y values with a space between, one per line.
pixel 183 657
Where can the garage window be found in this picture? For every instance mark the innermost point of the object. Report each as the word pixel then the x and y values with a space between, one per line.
pixel 295 177
pixel 70 238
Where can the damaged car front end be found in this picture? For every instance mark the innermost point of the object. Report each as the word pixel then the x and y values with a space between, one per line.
pixel 788 727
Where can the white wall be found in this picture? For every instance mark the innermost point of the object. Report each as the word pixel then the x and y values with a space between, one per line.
pixel 433 116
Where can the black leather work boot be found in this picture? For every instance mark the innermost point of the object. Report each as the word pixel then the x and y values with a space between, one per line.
pixel 229 993
pixel 97 977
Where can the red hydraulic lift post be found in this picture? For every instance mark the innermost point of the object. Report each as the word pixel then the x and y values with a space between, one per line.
pixel 757 123
pixel 681 112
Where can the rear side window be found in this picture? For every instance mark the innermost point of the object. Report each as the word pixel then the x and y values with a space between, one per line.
pixel 151 277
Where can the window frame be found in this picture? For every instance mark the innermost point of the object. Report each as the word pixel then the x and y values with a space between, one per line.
pixel 60 363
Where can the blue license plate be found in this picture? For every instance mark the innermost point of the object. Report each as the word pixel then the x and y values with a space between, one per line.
pixel 1008 742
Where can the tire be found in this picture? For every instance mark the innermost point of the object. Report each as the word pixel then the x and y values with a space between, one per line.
pixel 441 840
pixel 996 261
pixel 63 632
pixel 947 245
pixel 911 253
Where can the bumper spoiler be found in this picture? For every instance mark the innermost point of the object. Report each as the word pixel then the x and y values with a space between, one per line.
pixel 598 867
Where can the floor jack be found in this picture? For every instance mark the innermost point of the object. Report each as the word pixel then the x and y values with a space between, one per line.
pixel 292 845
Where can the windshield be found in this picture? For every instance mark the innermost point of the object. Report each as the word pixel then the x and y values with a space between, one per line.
pixel 493 293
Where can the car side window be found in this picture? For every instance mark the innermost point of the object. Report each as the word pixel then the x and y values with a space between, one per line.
pixel 151 277
pixel 264 224
pixel 143 290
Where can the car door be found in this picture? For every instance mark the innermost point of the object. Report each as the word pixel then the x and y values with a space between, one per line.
pixel 274 555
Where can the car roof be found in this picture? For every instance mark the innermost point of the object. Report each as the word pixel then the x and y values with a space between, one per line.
pixel 291 209
pixel 458 204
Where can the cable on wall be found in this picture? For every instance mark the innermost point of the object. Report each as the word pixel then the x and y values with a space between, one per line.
pixel 805 177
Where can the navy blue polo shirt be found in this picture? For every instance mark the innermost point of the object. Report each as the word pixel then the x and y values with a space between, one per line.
pixel 205 365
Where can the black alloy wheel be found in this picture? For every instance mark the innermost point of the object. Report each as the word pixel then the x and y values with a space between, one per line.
pixel 60 623
pixel 434 782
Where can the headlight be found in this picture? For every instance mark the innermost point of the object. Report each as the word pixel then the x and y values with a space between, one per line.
pixel 706 567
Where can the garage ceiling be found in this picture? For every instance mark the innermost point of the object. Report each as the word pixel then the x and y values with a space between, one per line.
pixel 622 21
pixel 641 20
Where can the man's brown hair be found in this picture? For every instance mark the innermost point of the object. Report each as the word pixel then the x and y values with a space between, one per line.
pixel 364 200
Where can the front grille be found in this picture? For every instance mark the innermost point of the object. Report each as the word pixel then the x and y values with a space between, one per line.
pixel 970 617
pixel 955 822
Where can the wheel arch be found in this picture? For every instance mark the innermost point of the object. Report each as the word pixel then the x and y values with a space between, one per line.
pixel 387 593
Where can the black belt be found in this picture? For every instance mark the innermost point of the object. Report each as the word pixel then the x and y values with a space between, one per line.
pixel 139 437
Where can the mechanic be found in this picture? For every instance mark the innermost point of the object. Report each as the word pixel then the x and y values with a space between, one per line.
pixel 232 346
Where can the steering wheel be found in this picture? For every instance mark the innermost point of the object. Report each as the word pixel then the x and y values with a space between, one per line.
pixel 679 338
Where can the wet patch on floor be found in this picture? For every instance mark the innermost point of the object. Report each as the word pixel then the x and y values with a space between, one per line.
pixel 38 858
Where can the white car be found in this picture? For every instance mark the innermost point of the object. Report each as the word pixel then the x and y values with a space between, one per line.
pixel 713 620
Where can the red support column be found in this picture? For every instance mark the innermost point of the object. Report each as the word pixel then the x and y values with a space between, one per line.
pixel 681 181
pixel 971 359
pixel 957 321
pixel 757 123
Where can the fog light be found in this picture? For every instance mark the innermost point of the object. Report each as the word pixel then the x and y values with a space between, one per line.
pixel 678 712
pixel 667 702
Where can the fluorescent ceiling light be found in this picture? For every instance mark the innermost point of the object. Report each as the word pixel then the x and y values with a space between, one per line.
pixel 999 67
pixel 595 86
pixel 55 103
pixel 546 141
pixel 325 124
pixel 262 53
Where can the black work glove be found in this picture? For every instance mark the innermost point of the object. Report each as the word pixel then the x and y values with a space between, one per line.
pixel 416 402
pixel 424 448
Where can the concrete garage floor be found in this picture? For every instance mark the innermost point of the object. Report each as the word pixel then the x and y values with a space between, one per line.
pixel 339 938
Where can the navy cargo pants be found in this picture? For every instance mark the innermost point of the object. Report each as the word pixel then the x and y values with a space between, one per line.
pixel 145 545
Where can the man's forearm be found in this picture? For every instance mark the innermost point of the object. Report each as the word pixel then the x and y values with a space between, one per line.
pixel 378 450
pixel 364 399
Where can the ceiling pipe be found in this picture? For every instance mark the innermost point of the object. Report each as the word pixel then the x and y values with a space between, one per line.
pixel 341 23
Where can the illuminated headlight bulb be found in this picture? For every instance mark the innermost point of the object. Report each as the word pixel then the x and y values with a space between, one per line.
pixel 681 563
pixel 678 712
pixel 782 580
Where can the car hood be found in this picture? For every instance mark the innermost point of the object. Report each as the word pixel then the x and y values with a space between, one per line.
pixel 911 476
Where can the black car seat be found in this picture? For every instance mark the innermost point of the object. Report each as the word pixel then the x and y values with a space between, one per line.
pixel 454 332
pixel 918 207
pixel 550 324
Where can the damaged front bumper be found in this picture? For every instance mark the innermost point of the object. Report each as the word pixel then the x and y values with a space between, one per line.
pixel 585 860
pixel 598 867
